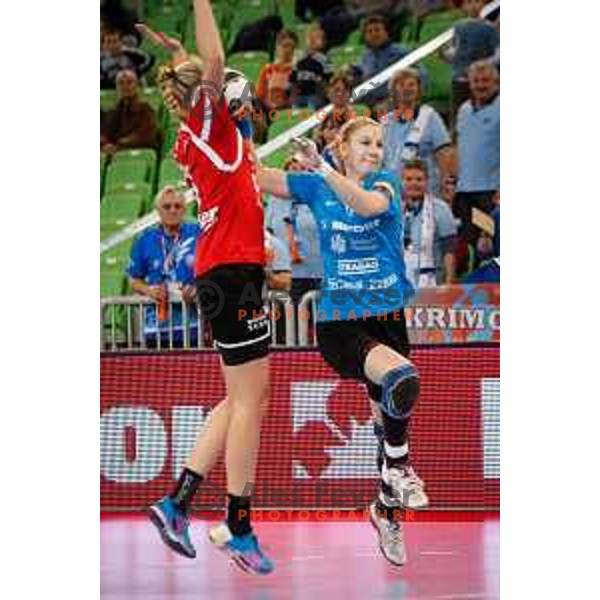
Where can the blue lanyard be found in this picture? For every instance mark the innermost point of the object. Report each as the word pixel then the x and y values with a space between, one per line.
pixel 169 260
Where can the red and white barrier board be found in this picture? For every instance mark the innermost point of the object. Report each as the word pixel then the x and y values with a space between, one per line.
pixel 318 448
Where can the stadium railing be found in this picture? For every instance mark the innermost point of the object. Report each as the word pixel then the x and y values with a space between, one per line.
pixel 123 324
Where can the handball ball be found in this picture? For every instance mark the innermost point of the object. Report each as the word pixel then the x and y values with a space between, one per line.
pixel 237 90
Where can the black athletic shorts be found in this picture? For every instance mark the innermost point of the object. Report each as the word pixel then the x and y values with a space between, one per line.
pixel 345 344
pixel 231 300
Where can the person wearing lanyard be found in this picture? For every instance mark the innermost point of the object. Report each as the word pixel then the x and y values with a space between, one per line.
pixel 161 268
pixel 431 233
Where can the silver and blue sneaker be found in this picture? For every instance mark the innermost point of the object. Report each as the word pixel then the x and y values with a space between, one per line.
pixel 173 526
pixel 244 550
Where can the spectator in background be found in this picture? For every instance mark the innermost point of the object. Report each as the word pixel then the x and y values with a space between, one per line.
pixel 487 249
pixel 278 261
pixel 430 231
pixel 116 16
pixel 274 88
pixel 162 268
pixel 115 57
pixel 339 94
pixel 379 54
pixel 133 123
pixel 448 190
pixel 295 224
pixel 478 140
pixel 312 72
pixel 474 39
pixel 414 130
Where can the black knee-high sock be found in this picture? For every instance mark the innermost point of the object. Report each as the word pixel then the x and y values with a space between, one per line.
pixel 186 487
pixel 238 514
pixel 396 436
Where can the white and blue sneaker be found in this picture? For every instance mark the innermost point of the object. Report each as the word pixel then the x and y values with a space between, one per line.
pixel 173 526
pixel 244 550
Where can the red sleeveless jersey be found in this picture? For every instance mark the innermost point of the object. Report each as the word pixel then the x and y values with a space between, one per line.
pixel 219 164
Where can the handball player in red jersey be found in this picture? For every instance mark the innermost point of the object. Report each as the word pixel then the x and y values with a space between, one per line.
pixel 219 163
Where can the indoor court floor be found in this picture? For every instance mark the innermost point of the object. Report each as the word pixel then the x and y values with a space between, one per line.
pixel 315 560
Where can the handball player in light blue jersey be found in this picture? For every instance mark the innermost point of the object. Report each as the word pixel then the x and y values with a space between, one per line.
pixel 361 328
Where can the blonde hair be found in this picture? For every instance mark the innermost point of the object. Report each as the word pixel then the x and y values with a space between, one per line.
pixel 346 131
pixel 178 82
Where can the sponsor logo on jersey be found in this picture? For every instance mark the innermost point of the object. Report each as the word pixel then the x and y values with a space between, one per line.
pixel 208 218
pixel 359 266
pixel 339 245
pixel 341 226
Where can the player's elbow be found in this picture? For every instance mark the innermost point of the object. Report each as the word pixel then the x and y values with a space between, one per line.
pixel 374 204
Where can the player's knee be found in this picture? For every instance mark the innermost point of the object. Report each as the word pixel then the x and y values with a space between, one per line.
pixel 401 388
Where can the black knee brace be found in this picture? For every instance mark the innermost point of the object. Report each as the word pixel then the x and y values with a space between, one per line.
pixel 400 391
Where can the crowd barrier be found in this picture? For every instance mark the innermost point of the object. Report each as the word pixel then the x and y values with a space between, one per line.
pixel 442 315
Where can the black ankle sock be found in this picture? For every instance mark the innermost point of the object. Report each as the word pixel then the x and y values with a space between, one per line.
pixel 396 435
pixel 185 489
pixel 391 513
pixel 238 514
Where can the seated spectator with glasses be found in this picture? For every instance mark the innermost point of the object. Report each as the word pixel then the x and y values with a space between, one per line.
pixel 132 123
pixel 162 268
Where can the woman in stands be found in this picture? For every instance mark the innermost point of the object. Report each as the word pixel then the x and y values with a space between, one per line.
pixel 361 328
pixel 229 279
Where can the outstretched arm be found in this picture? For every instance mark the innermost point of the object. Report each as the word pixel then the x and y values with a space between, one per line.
pixel 273 181
pixel 208 43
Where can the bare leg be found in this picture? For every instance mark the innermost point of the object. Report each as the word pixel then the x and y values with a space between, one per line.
pixel 211 440
pixel 247 387
pixel 380 360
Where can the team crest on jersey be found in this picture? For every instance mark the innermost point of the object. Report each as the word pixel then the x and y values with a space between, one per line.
pixel 208 218
pixel 339 245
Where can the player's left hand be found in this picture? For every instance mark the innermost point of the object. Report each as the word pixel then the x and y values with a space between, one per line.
pixel 160 38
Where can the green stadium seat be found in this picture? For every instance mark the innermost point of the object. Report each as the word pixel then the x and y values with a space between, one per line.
pixel 287 120
pixel 134 158
pixel 153 97
pixel 108 99
pixel 146 154
pixel 346 55
pixel 170 173
pixel 355 38
pixel 192 210
pixel 130 171
pixel 113 265
pixel 118 209
pixel 249 63
pixel 278 158
pixel 360 110
pixel 142 188
pixel 169 138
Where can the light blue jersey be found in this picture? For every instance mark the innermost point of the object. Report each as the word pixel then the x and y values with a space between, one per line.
pixel 364 271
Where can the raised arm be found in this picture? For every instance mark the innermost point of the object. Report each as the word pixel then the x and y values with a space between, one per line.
pixel 208 43
pixel 363 202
